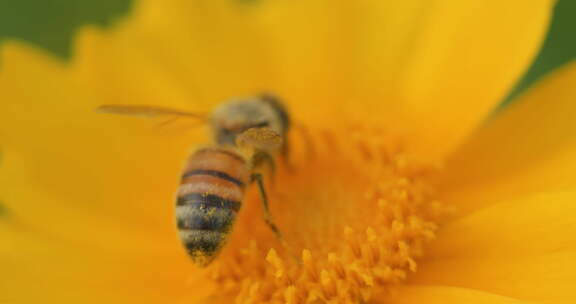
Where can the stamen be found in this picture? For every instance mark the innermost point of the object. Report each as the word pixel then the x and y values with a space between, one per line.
pixel 356 214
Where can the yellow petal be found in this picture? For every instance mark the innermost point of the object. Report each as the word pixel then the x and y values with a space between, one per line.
pixel 181 53
pixel 71 172
pixel 434 68
pixel 464 61
pixel 547 278
pixel 418 294
pixel 523 249
pixel 528 148
pixel 529 226
pixel 39 268
pixel 118 68
pixel 85 194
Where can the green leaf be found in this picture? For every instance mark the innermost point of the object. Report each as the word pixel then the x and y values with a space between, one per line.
pixel 51 24
pixel 558 49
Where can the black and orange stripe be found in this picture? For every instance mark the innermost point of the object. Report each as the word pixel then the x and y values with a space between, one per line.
pixel 209 198
pixel 215 173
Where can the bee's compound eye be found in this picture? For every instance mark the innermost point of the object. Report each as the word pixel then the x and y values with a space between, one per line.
pixel 226 136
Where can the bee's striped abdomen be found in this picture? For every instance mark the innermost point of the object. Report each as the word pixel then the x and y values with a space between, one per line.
pixel 209 197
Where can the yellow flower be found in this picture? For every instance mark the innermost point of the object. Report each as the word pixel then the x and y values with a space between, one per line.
pixel 398 192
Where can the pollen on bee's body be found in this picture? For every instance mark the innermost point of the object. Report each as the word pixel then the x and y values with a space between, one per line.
pixel 355 216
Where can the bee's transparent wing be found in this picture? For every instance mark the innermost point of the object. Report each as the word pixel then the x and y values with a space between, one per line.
pixel 168 116
pixel 149 111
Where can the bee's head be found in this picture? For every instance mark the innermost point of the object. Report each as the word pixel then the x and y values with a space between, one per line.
pixel 234 117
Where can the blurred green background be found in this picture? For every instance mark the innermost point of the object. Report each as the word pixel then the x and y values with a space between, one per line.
pixel 51 23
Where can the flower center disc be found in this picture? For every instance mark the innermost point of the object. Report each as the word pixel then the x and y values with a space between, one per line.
pixel 354 212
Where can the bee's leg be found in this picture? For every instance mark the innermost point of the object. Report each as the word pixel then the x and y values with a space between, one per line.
pixel 257 177
pixel 262 158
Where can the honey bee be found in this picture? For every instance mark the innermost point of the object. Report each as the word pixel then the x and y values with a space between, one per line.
pixel 247 135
